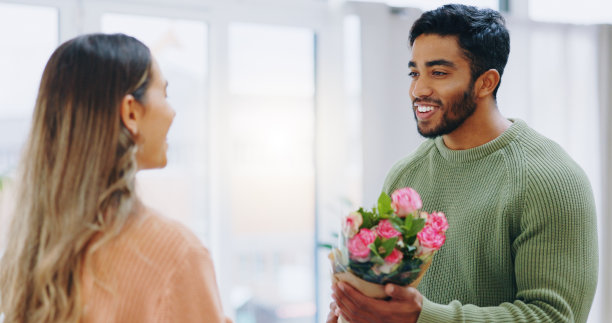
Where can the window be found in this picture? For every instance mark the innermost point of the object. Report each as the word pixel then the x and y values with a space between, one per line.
pixel 25 49
pixel 433 4
pixel 586 12
pixel 271 174
pixel 266 139
pixel 180 47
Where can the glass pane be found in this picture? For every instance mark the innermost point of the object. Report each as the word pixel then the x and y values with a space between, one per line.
pixel 29 36
pixel 352 76
pixel 344 184
pixel 433 4
pixel 271 173
pixel 26 48
pixel 180 47
pixel 570 11
pixel 267 60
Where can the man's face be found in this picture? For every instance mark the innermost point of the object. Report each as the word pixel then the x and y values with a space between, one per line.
pixel 442 87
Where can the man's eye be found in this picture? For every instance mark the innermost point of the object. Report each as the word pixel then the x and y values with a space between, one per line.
pixel 413 74
pixel 438 73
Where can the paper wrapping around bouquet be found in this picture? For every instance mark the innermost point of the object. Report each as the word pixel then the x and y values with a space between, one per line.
pixel 371 289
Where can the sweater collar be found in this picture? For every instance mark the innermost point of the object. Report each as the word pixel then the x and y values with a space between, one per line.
pixel 468 155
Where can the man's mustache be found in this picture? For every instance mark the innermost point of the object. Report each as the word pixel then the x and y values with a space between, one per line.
pixel 432 101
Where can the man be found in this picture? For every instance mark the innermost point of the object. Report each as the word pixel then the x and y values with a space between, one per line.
pixel 522 242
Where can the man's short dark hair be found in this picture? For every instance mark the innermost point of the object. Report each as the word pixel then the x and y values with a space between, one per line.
pixel 481 33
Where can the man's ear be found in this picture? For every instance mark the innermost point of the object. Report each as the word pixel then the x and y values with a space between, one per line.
pixel 131 113
pixel 486 83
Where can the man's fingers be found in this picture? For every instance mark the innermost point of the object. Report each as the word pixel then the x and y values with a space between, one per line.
pixel 345 302
pixel 360 300
pixel 332 317
pixel 399 292
pixel 355 307
pixel 333 308
pixel 353 294
pixel 408 298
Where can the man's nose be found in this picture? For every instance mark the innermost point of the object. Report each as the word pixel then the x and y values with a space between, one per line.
pixel 421 88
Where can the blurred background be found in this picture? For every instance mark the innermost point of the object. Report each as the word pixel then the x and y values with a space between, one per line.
pixel 290 113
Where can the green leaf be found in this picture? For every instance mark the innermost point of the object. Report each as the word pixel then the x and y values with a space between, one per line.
pixel 398 224
pixel 409 240
pixel 373 249
pixel 417 226
pixel 396 221
pixel 388 246
pixel 407 224
pixel 363 270
pixel 368 218
pixel 384 204
pixel 375 218
pixel 376 258
pixel 377 242
pixel 325 245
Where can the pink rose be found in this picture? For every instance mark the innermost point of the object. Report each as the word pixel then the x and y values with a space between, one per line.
pixel 431 238
pixel 437 221
pixel 359 245
pixel 386 230
pixel 405 201
pixel 424 253
pixel 394 257
pixel 351 224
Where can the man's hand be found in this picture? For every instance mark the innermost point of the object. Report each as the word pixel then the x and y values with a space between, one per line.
pixel 332 317
pixel 404 306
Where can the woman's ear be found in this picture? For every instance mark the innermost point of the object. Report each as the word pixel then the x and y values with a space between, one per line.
pixel 131 113
pixel 486 83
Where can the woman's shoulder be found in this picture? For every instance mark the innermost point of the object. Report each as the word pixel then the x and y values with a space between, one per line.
pixel 157 233
pixel 133 272
pixel 152 222
pixel 150 244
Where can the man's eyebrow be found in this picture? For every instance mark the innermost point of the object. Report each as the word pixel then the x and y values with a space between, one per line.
pixel 437 62
pixel 440 62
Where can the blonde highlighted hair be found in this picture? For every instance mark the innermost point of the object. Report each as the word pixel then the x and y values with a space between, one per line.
pixel 77 175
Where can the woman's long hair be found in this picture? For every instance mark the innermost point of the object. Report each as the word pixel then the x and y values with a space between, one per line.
pixel 77 176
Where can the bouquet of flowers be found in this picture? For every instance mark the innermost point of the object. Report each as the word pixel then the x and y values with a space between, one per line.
pixel 393 243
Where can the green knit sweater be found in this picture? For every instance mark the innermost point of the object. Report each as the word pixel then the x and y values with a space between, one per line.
pixel 522 239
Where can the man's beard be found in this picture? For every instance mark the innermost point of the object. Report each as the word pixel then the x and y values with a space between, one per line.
pixel 462 107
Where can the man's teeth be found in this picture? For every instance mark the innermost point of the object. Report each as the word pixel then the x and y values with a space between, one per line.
pixel 423 109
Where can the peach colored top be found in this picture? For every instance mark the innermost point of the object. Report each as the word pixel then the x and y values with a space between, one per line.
pixel 156 270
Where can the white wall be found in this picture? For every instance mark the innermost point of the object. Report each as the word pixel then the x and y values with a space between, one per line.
pixel 605 223
pixel 389 129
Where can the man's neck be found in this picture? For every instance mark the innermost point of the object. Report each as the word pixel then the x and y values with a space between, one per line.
pixel 486 124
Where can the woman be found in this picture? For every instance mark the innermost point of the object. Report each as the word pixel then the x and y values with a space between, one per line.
pixel 82 247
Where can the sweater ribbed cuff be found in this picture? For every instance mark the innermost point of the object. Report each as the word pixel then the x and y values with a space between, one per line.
pixel 434 313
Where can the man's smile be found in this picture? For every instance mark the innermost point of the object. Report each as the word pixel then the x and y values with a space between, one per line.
pixel 424 111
